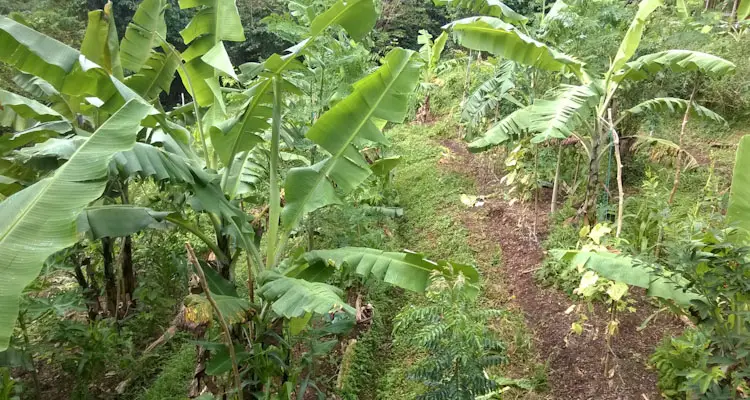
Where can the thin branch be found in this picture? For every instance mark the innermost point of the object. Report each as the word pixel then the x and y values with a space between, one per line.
pixel 224 327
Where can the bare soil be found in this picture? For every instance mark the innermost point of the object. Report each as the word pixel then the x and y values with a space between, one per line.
pixel 576 369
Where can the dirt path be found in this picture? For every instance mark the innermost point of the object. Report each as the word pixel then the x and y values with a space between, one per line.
pixel 576 367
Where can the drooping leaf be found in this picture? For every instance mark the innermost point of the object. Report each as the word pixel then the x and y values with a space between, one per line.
pixel 41 219
pixel 677 61
pixel 118 220
pixel 234 309
pixel 217 284
pixel 61 66
pixel 35 86
pixel 36 134
pixel 674 105
pixel 406 270
pixel 633 36
pixel 624 269
pixel 492 8
pixel 515 124
pixel 486 98
pixel 506 41
pixel 384 95
pixel 293 297
pixel 384 166
pixel 738 212
pixel 663 147
pixel 556 119
pixel 28 108
pixel 144 33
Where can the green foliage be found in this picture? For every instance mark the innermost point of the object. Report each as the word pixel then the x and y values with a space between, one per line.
pixel 717 269
pixel 453 333
pixel 644 217
pixel 739 200
pixel 31 212
pixel 174 377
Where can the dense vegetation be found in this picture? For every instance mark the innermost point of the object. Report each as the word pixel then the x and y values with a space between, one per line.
pixel 245 199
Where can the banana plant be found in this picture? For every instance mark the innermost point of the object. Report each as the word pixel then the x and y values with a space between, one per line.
pixel 581 107
pixel 430 53
pixel 91 122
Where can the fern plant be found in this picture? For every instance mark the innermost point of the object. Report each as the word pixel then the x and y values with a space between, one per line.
pixel 453 331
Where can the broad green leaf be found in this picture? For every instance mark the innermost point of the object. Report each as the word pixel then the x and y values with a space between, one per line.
pixel 215 21
pixel 29 51
pixel 384 166
pixel 624 269
pixel 61 66
pixel 492 8
pixel 293 297
pixel 682 8
pixel 677 61
pixel 118 220
pixel 633 36
pixel 144 32
pixel 558 118
pixel 36 134
pixel 238 134
pixel 28 108
pixel 234 309
pixel 357 17
pixel 506 41
pixel 743 11
pixel 218 58
pixel 142 160
pixel 155 76
pixel 486 98
pixel 41 219
pixel 406 270
pixel 100 43
pixel 738 212
pixel 555 13
pixel 515 124
pixel 218 285
pixel 674 105
pixel 385 95
pixel 35 86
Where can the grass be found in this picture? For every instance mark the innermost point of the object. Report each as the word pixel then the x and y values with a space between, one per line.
pixel 173 381
pixel 430 197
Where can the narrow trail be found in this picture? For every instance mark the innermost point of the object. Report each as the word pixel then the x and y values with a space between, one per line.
pixel 575 362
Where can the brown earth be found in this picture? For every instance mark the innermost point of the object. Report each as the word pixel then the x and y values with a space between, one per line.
pixel 576 368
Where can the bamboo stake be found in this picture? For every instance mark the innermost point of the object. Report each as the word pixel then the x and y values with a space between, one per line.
pixel 620 192
pixel 224 327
